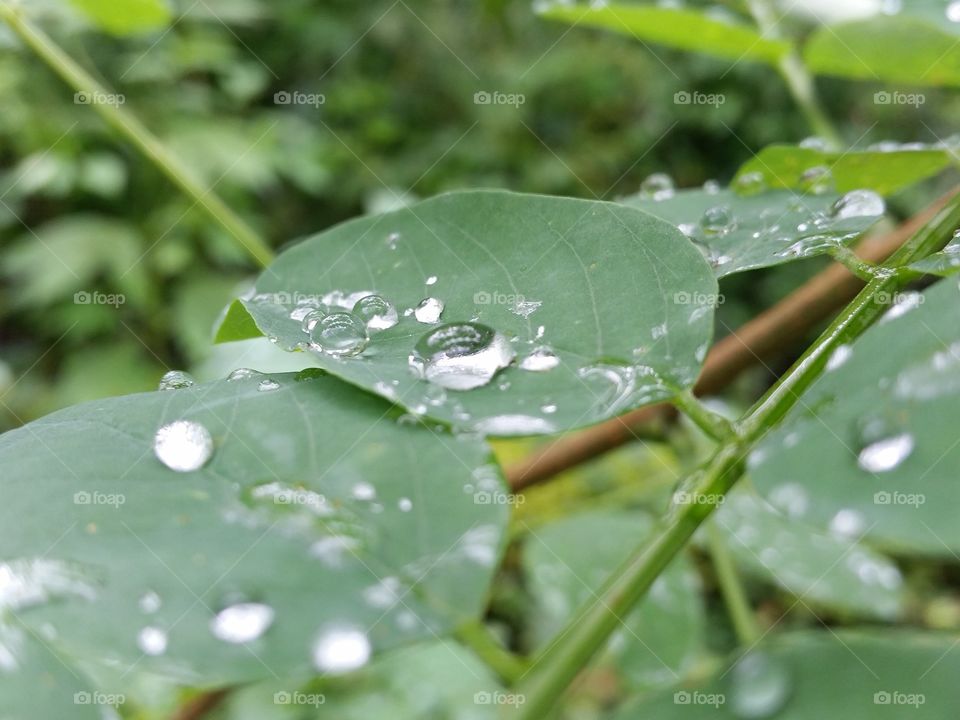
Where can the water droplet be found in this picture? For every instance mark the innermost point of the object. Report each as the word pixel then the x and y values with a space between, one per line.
pixel 525 308
pixel 540 359
pixel 183 445
pixel 816 180
pixel 340 650
pixel 176 380
pixel 717 221
pixel 791 499
pixel 750 183
pixel 242 622
pixel 340 334
pixel 429 311
pixel 243 374
pixel 548 409
pixel 858 203
pixel 760 686
pixel 903 303
pixel 152 641
pixel 712 187
pixel 461 356
pixel 268 384
pixel 953 11
pixel 310 320
pixel 332 551
pixel 363 491
pixel 886 454
pixel 405 504
pixel 432 280
pixel 658 186
pixel 376 312
pixel 847 523
pixel 25 583
pixel 815 143
pixel 149 602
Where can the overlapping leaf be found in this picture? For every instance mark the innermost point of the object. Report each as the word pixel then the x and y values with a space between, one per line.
pixel 125 17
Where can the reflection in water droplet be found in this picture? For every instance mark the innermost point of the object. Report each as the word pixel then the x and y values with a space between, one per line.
pixel 340 650
pixel 340 334
pixel 376 312
pixel 242 622
pixel 429 311
pixel 183 445
pixel 760 686
pixel 886 454
pixel 176 380
pixel 858 203
pixel 461 356
pixel 243 374
pixel 152 641
pixel 268 384
pixel 540 359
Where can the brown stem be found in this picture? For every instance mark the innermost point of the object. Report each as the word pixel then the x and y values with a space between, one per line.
pixel 768 333
pixel 200 705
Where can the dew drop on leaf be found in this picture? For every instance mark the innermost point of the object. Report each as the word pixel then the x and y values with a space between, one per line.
pixel 429 311
pixel 311 318
pixel 858 203
pixel 243 374
pixel 340 650
pixel 540 359
pixel 717 221
pixel 658 186
pixel 751 183
pixel 183 445
pixel 461 356
pixel 886 454
pixel 268 385
pixel 242 622
pixel 340 334
pixel 760 686
pixel 847 523
pixel 176 380
pixel 376 312
pixel 152 641
pixel 816 180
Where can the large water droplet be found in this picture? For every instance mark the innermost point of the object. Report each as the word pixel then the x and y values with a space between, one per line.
pixel 268 384
pixel 309 321
pixel 376 312
pixel 429 311
pixel 242 622
pixel 176 380
pixel 152 641
pixel 886 454
pixel 540 359
pixel 340 650
pixel 183 445
pixel 761 685
pixel 461 356
pixel 340 334
pixel 243 374
pixel 858 203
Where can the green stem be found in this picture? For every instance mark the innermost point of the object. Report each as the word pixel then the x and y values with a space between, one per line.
pixel 590 628
pixel 852 262
pixel 136 133
pixel 714 425
pixel 734 595
pixel 478 638
pixel 798 80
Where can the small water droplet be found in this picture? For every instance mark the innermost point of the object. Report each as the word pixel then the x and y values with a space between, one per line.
pixel 176 380
pixel 243 374
pixel 340 334
pixel 525 308
pixel 760 686
pixel 886 454
pixel 847 523
pixel 393 239
pixel 152 641
pixel 432 280
pixel 376 312
pixel 751 183
pixel 717 221
pixel 816 180
pixel 658 186
pixel 461 356
pixel 363 491
pixel 858 203
pixel 268 384
pixel 540 359
pixel 149 602
pixel 183 445
pixel 405 504
pixel 429 311
pixel 242 622
pixel 340 650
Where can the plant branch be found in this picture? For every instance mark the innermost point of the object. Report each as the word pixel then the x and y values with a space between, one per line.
pixel 734 595
pixel 714 425
pixel 761 338
pixel 136 133
pixel 591 627
pixel 478 638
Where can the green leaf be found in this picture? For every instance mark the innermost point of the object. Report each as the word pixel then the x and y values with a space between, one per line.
pixel 913 49
pixel 434 679
pixel 126 17
pixel 316 503
pixel 871 449
pixel 944 263
pixel 621 298
pixel 237 324
pixel 681 28
pixel 883 170
pixel 37 682
pixel 738 233
pixel 566 561
pixel 823 571
pixel 859 675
